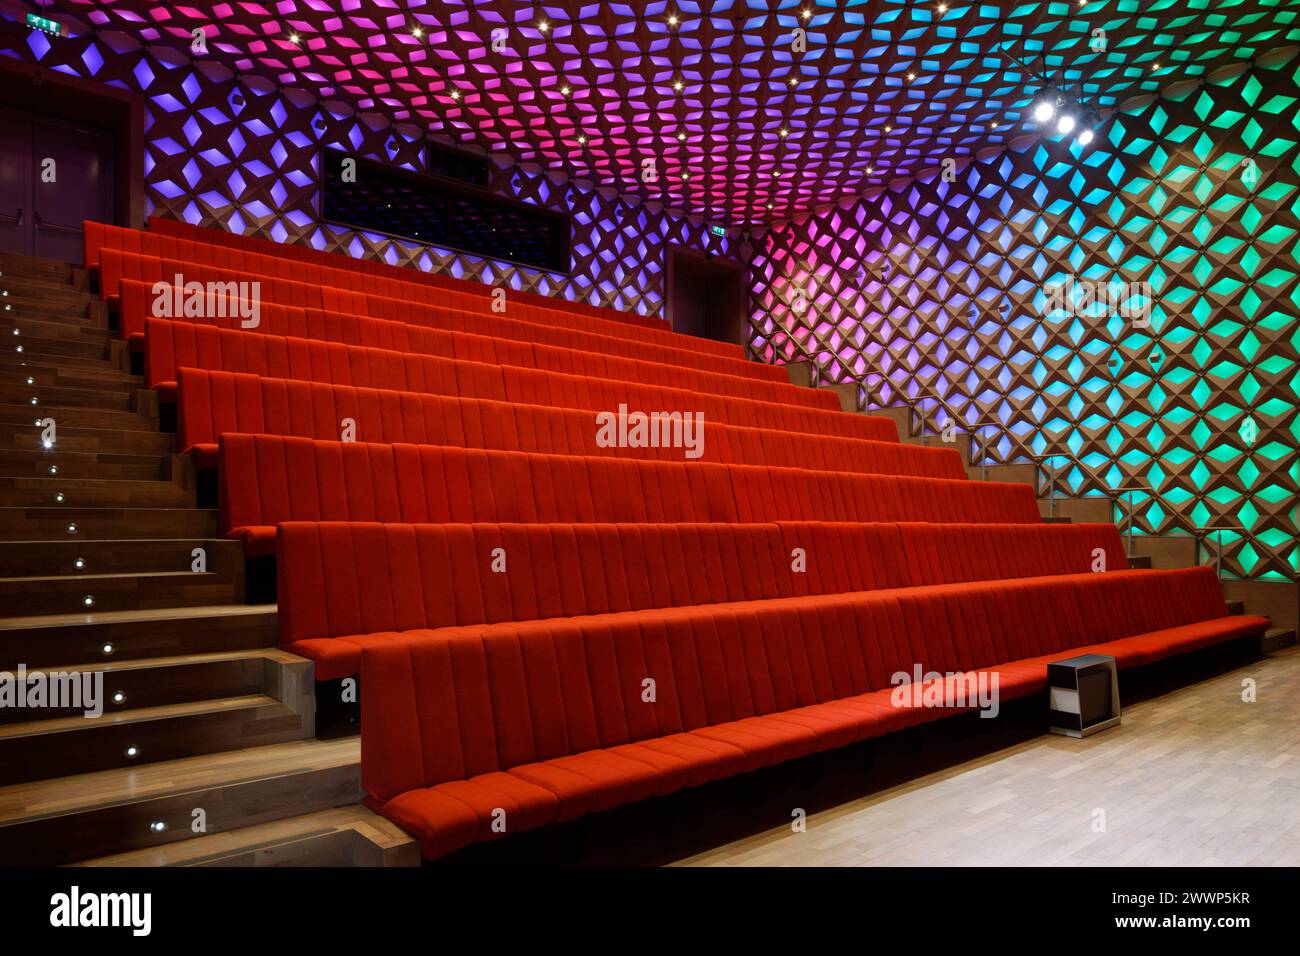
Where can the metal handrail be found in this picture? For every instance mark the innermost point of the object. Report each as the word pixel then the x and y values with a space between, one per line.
pixel 1204 532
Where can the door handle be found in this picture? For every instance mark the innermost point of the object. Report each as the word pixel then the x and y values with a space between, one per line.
pixel 17 220
pixel 36 221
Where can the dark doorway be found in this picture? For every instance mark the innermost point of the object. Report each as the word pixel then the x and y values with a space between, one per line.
pixel 53 175
pixel 706 296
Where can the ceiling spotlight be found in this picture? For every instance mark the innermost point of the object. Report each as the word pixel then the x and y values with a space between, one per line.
pixel 1066 123
pixel 672 19
pixel 794 81
pixel 784 132
pixel 543 26
pixel 993 125
pixel 1085 137
pixel 943 8
pixel 455 94
pixel 1044 109
pixel 417 32
pixel 911 76
pixel 677 85
pixel 294 38
pixel 888 128
pixel 1154 67
pixel 806 13
pixel 681 137
pixel 582 141
pixel 564 91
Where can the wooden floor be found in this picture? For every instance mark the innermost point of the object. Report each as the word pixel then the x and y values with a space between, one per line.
pixel 1194 777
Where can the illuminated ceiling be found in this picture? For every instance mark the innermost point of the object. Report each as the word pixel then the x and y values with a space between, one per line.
pixel 739 124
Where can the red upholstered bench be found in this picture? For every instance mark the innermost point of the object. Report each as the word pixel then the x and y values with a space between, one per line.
pixel 190 342
pixel 212 403
pixel 344 586
pixel 263 256
pixel 330 363
pixel 266 479
pixel 537 722
pixel 116 265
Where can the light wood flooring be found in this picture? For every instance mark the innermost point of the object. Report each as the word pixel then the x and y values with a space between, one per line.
pixel 1193 777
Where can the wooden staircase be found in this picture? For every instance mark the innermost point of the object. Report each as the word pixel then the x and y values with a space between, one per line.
pixel 204 753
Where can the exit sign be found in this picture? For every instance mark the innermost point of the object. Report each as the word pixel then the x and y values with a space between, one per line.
pixel 45 25
pixel 720 231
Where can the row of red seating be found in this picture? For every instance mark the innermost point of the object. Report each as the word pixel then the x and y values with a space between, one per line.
pixel 345 585
pixel 201 259
pixel 328 363
pixel 266 479
pixel 192 343
pixel 303 253
pixel 474 732
pixel 211 403
pixel 116 266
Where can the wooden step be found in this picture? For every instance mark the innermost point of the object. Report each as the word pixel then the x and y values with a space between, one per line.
pixel 1168 551
pixel 1096 510
pixel 39 397
pixel 28 437
pixel 962 443
pixel 90 815
pixel 1279 601
pixel 63 491
pixel 160 681
pixel 1020 473
pixel 20 340
pixel 13 265
pixel 32 371
pixel 77 417
pixel 64 746
pixel 61 523
pixel 131 635
pixel 38 463
pixel 72 321
pixel 124 555
pixel 64 594
pixel 800 373
pixel 344 836
pixel 900 416
pixel 1275 639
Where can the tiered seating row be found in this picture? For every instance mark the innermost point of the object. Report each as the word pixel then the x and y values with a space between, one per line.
pixel 267 479
pixel 328 363
pixel 301 253
pixel 215 402
pixel 549 720
pixel 116 266
pixel 195 342
pixel 202 260
pixel 346 585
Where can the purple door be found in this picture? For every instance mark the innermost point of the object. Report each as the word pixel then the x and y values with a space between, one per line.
pixel 15 182
pixel 53 175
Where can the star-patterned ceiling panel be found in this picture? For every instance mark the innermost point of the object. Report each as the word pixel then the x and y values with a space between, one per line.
pixel 740 110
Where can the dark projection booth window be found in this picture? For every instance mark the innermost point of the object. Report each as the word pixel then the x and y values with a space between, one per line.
pixel 367 195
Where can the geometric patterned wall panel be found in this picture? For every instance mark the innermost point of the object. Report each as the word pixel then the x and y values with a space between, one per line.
pixel 940 292
pixel 242 153
pixel 751 109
